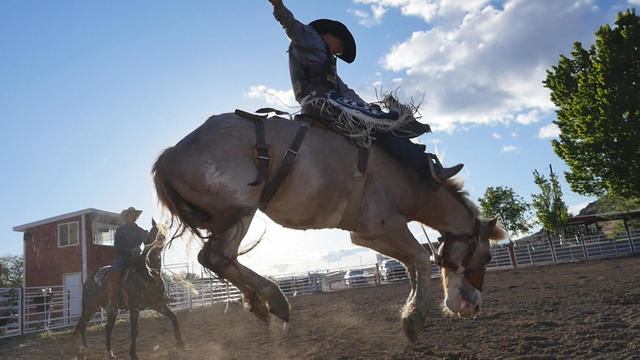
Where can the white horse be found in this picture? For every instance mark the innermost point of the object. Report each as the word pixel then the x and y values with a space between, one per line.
pixel 203 180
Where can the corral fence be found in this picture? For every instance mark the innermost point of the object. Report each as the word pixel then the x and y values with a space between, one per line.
pixel 38 309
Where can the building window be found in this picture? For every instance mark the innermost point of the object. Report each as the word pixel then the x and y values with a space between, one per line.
pixel 103 234
pixel 68 234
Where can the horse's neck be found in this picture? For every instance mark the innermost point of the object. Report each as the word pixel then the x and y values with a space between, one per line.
pixel 445 212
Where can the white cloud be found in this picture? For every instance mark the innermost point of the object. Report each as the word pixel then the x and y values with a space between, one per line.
pixel 513 134
pixel 369 19
pixel 496 136
pixel 575 209
pixel 509 148
pixel 528 118
pixel 427 9
pixel 272 96
pixel 484 64
pixel 549 131
pixel 635 2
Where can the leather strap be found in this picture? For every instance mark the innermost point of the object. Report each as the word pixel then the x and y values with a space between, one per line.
pixel 283 170
pixel 261 148
pixel 351 215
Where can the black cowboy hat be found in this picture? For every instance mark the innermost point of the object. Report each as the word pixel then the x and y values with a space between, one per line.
pixel 338 29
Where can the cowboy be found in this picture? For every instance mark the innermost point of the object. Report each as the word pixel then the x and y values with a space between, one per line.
pixel 127 241
pixel 312 65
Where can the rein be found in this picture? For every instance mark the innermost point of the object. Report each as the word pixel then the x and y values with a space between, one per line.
pixel 441 256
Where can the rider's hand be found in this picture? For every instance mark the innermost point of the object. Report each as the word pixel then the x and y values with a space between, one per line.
pixel 275 2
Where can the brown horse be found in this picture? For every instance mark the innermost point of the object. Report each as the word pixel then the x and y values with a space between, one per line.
pixel 142 288
pixel 203 180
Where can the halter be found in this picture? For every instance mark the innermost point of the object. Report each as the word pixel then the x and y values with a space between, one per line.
pixel 441 257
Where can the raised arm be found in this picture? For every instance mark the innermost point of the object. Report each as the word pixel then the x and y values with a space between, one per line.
pixel 295 30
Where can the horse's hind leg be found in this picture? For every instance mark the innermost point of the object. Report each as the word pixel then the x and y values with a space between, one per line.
pixel 81 327
pixel 134 314
pixel 108 330
pixel 220 256
pixel 396 240
pixel 164 310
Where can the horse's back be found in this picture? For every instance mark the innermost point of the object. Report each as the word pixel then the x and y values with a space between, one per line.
pixel 213 165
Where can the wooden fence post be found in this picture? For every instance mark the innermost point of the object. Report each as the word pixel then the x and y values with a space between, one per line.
pixel 512 255
pixel 553 249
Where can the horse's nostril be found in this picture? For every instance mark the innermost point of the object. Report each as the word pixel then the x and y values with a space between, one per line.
pixel 477 308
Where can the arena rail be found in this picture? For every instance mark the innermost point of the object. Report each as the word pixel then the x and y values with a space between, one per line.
pixel 46 308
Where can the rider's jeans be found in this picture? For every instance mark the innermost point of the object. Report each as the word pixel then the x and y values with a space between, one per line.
pixel 408 153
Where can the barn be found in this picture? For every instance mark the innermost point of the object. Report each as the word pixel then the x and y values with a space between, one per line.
pixel 60 252
pixel 65 249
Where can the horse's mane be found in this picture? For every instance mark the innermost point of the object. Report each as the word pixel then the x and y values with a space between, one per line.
pixel 455 187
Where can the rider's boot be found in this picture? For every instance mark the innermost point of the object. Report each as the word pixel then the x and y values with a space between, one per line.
pixel 113 287
pixel 441 172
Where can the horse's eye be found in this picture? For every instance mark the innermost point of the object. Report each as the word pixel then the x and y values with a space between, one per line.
pixel 488 258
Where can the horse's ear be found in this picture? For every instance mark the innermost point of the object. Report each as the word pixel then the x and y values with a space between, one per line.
pixel 496 232
pixel 153 222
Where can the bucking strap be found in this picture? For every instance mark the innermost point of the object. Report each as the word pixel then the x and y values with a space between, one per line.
pixel 351 216
pixel 261 148
pixel 287 160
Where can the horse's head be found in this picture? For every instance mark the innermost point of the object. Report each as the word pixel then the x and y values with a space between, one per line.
pixel 153 246
pixel 463 260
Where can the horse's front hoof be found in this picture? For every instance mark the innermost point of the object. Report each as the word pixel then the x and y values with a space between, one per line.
pixel 133 356
pixel 109 355
pixel 413 324
pixel 257 307
pixel 280 309
pixel 180 345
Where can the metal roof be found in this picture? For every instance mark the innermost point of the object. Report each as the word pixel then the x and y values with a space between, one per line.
pixel 65 216
pixel 594 218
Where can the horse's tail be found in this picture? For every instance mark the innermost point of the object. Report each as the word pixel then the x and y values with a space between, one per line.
pixel 182 212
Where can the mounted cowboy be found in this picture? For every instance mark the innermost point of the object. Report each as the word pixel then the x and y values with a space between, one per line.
pixel 312 64
pixel 127 241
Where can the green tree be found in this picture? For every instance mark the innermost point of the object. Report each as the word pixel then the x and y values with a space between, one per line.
pixel 513 209
pixel 597 92
pixel 550 209
pixel 11 271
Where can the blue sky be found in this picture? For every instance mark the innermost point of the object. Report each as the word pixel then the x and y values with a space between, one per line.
pixel 92 92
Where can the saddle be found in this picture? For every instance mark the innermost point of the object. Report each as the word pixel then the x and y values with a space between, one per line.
pixel 262 158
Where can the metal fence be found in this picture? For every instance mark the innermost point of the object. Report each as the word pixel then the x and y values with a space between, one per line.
pixel 37 309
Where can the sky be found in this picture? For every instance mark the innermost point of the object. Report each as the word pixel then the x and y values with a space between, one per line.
pixel 92 92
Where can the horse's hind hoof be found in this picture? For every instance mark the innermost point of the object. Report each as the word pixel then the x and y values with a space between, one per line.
pixel 110 356
pixel 83 353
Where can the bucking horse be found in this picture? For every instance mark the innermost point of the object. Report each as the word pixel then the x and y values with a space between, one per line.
pixel 141 288
pixel 205 181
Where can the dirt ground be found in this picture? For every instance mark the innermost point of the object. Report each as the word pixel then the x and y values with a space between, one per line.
pixel 587 310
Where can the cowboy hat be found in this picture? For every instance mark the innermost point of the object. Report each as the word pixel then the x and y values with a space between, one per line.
pixel 338 29
pixel 130 210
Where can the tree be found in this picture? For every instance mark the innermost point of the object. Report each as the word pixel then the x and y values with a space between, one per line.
pixel 11 271
pixel 550 208
pixel 513 209
pixel 597 92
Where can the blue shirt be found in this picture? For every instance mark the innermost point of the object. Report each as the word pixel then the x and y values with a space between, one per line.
pixel 128 237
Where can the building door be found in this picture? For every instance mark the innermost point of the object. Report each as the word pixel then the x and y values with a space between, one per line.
pixel 72 297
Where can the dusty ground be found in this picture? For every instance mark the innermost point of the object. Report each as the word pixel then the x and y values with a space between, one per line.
pixel 583 310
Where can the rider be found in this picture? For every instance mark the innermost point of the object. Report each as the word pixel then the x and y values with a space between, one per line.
pixel 312 65
pixel 128 239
